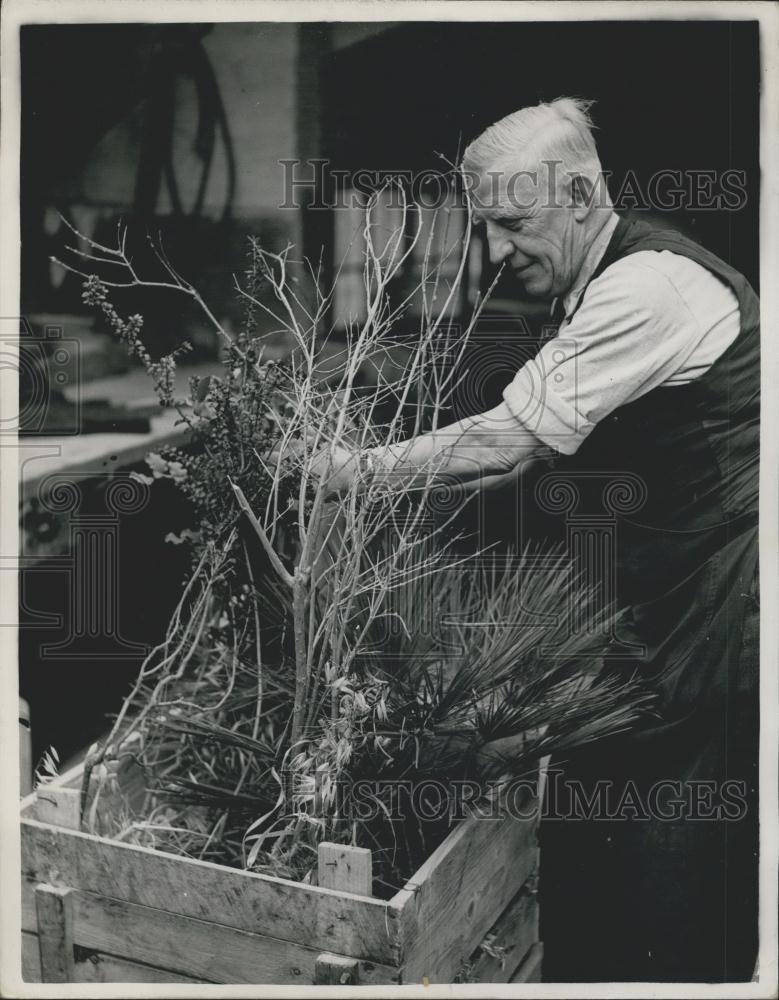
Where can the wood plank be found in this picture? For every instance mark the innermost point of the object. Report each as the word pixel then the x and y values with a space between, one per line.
pixel 347 924
pixel 97 968
pixel 59 806
pixel 335 970
pixel 68 779
pixel 530 970
pixel 58 802
pixel 81 455
pixel 199 949
pixel 509 941
pixel 461 890
pixel 347 868
pixel 54 917
pixel 106 452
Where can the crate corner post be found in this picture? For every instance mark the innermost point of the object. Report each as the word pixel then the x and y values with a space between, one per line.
pixel 54 912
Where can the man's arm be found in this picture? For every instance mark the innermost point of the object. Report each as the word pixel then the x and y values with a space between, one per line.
pixel 491 443
pixel 488 444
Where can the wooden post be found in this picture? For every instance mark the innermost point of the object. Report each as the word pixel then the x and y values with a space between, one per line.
pixel 345 868
pixel 335 970
pixel 54 912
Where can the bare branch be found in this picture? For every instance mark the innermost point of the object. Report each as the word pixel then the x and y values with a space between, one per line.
pixel 277 564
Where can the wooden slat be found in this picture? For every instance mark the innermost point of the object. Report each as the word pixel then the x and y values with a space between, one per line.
pixel 199 949
pixel 530 970
pixel 59 802
pixel 80 455
pixel 335 970
pixel 509 941
pixel 68 779
pixel 54 916
pixel 459 893
pixel 58 806
pixel 97 968
pixel 344 923
pixel 349 869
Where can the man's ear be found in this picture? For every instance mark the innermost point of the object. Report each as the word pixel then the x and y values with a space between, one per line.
pixel 583 191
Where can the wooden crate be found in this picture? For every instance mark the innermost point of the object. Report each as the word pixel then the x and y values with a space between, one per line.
pixel 99 910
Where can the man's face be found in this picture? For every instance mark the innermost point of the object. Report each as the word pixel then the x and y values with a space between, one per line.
pixel 533 227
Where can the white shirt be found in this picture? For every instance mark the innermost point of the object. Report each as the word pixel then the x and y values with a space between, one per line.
pixel 652 318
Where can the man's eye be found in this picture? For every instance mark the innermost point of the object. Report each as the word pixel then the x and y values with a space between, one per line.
pixel 513 224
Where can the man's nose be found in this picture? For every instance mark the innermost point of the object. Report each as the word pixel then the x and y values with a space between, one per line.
pixel 500 247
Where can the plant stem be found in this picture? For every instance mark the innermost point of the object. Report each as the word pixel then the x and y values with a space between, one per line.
pixel 299 596
pixel 277 564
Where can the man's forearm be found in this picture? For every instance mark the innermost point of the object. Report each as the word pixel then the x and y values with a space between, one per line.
pixel 487 444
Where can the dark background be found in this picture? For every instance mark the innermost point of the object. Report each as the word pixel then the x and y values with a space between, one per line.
pixel 670 95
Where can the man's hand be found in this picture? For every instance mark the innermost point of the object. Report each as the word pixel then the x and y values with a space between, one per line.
pixel 472 450
pixel 336 467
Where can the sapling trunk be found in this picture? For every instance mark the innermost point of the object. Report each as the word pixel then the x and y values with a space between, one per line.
pixel 299 601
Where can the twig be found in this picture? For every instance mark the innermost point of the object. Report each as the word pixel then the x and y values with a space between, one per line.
pixel 281 570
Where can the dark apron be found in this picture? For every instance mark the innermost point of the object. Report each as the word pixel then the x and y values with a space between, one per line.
pixel 660 882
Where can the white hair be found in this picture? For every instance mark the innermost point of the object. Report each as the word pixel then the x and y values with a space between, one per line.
pixel 559 131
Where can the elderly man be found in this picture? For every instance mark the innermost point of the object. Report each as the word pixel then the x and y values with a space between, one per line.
pixel 653 378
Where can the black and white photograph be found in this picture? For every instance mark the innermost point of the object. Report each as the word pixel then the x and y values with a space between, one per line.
pixel 388 499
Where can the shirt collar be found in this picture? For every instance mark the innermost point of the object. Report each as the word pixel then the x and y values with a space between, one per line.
pixel 594 256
